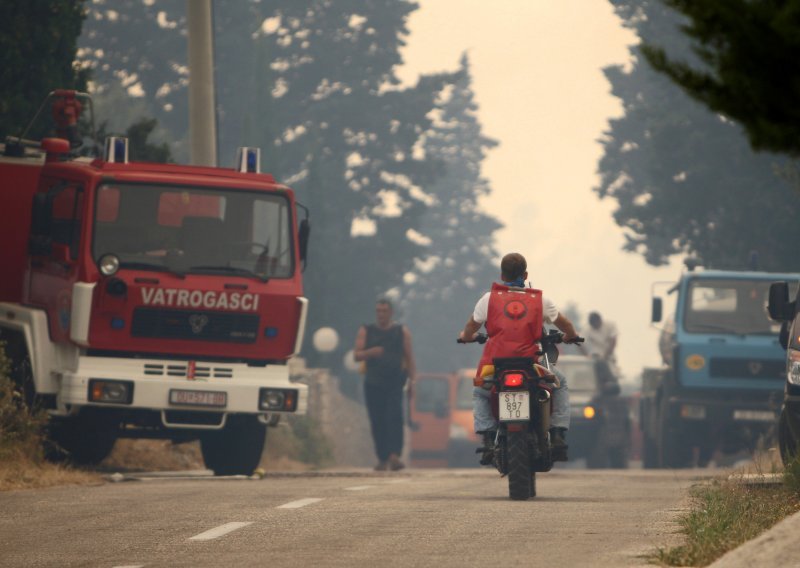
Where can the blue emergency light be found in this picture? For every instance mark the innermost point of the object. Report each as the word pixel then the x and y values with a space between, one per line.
pixel 116 150
pixel 248 160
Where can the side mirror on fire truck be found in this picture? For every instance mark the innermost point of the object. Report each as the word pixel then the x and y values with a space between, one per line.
pixel 303 233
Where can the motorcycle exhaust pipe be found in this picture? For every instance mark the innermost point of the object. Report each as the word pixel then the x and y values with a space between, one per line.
pixel 543 396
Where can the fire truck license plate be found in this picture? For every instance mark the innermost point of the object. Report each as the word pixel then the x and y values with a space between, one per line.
pixel 515 406
pixel 198 398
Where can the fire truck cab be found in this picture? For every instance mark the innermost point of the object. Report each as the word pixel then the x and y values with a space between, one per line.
pixel 150 300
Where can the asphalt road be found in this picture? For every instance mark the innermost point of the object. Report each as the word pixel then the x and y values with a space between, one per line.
pixel 355 518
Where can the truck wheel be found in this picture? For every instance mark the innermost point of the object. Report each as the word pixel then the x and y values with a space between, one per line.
pixel 618 457
pixel 787 442
pixel 597 457
pixel 673 451
pixel 81 441
pixel 520 475
pixel 649 454
pixel 237 448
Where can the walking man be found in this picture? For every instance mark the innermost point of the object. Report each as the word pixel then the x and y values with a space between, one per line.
pixel 601 341
pixel 385 348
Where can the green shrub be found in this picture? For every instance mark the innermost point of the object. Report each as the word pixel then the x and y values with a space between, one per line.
pixel 314 447
pixel 21 429
pixel 791 475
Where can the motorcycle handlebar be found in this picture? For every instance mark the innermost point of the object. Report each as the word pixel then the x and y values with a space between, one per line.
pixel 479 338
pixel 551 338
pixel 556 336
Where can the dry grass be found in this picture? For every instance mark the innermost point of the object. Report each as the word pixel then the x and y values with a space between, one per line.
pixel 19 470
pixel 153 455
pixel 727 513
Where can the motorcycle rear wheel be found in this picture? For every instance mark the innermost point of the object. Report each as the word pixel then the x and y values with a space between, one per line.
pixel 521 480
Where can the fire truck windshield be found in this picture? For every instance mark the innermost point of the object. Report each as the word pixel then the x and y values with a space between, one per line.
pixel 194 230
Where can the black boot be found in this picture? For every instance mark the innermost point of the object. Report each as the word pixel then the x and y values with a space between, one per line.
pixel 487 450
pixel 558 444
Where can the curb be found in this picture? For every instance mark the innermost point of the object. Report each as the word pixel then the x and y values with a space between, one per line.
pixel 776 547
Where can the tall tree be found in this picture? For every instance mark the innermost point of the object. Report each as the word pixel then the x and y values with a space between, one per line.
pixel 459 259
pixel 685 178
pixel 139 48
pixel 750 72
pixel 38 40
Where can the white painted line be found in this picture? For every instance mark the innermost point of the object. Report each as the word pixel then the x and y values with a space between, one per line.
pixel 359 488
pixel 219 531
pixel 299 503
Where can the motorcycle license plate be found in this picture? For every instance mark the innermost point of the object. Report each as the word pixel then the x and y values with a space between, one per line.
pixel 515 406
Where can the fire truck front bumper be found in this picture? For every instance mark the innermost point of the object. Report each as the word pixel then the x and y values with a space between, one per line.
pixel 161 385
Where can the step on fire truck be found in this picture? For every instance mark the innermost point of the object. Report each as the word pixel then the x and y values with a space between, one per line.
pixel 148 300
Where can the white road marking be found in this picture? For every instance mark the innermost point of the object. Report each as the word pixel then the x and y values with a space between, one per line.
pixel 299 503
pixel 219 531
pixel 359 488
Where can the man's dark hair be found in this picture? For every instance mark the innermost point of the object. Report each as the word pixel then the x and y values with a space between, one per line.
pixel 594 317
pixel 513 266
pixel 385 302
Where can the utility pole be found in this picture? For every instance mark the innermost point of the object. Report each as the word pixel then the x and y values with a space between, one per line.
pixel 202 115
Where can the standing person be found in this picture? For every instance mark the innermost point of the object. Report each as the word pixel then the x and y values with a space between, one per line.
pixel 601 341
pixel 514 331
pixel 385 348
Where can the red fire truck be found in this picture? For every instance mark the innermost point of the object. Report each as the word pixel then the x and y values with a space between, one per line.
pixel 149 300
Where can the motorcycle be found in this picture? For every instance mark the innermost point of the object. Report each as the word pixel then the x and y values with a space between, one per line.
pixel 521 392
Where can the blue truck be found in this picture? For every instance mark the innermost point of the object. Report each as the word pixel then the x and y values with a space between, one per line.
pixel 722 382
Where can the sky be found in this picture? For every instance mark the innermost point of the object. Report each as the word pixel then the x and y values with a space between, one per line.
pixel 538 80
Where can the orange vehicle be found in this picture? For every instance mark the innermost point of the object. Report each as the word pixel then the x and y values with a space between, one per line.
pixel 442 433
pixel 463 440
pixel 430 419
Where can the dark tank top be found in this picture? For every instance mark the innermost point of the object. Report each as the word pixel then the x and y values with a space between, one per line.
pixel 389 367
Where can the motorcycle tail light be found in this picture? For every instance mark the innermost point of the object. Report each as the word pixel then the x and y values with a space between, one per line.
pixel 513 379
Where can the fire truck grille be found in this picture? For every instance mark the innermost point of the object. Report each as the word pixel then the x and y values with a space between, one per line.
pixel 747 368
pixel 194 325
pixel 182 370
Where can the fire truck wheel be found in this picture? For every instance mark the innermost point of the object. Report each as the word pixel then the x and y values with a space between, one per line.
pixel 81 441
pixel 236 449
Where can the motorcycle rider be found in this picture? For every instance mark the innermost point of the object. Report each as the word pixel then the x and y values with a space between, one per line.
pixel 513 316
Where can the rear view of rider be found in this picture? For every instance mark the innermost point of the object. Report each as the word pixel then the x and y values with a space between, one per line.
pixel 513 316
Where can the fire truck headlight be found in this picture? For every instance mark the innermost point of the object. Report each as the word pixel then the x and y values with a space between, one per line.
pixel 278 399
pixel 109 264
pixel 110 392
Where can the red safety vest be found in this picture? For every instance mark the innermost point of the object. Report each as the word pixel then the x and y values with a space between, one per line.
pixel 513 323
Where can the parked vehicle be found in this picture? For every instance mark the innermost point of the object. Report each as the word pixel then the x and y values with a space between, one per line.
pixel 521 400
pixel 600 423
pixel 788 313
pixel 430 419
pixel 148 300
pixel 463 440
pixel 721 384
